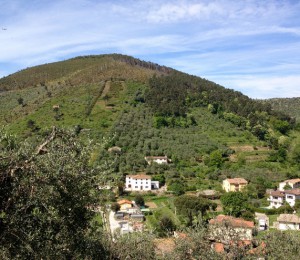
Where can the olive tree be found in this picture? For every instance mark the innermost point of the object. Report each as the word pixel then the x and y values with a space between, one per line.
pixel 46 196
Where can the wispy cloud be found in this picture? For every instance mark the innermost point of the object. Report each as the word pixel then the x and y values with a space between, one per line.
pixel 238 44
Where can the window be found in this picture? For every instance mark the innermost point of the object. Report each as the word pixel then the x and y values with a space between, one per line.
pixel 136 187
pixel 146 187
pixel 290 197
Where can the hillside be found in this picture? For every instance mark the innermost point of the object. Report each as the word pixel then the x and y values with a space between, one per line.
pixel 74 128
pixel 289 106
pixel 148 109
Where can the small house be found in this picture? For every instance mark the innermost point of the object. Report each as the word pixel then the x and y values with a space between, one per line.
pixel 235 184
pixel 125 204
pixel 157 159
pixel 289 184
pixel 288 222
pixel 226 228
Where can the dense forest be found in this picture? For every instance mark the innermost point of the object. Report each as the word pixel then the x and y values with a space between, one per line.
pixel 72 126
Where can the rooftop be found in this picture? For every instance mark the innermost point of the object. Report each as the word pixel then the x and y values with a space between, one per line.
pixel 237 181
pixel 277 193
pixel 293 181
pixel 293 191
pixel 120 202
pixel 231 221
pixel 288 218
pixel 139 176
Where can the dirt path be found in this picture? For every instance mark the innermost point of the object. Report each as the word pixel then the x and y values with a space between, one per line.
pixel 106 89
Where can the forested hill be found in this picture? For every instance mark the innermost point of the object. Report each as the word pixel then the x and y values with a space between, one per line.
pixel 289 106
pixel 85 87
pixel 83 70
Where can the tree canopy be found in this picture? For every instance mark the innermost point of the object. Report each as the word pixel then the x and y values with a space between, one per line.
pixel 46 195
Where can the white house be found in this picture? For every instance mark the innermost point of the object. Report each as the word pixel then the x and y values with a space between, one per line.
pixel 157 159
pixel 288 222
pixel 140 182
pixel 291 196
pixel 277 198
pixel 293 183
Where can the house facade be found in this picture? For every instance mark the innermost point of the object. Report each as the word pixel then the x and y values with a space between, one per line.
pixel 140 182
pixel 291 184
pixel 226 228
pixel 125 204
pixel 157 159
pixel 288 222
pixel 278 198
pixel 235 184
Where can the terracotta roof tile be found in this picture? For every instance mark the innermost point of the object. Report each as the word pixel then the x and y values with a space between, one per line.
pixel 139 176
pixel 277 193
pixel 234 222
pixel 237 181
pixel 293 191
pixel 120 202
pixel 293 181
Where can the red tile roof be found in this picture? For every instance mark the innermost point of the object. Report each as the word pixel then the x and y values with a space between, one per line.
pixel 293 191
pixel 139 176
pixel 233 222
pixel 120 202
pixel 293 181
pixel 277 193
pixel 237 181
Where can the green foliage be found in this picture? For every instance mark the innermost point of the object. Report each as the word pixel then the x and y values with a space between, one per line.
pixel 115 207
pixel 191 207
pixel 234 203
pixel 139 200
pixel 177 188
pixel 45 198
pixel 215 159
pixel 166 226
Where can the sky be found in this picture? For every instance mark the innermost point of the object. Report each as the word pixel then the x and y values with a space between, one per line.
pixel 252 46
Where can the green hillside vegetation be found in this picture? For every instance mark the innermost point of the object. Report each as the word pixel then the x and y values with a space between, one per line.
pixel 208 132
pixel 289 106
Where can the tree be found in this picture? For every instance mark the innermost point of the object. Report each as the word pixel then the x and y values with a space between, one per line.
pixel 139 200
pixel 115 207
pixel 20 101
pixel 166 226
pixel 215 158
pixel 177 188
pixel 234 203
pixel 46 196
pixel 191 207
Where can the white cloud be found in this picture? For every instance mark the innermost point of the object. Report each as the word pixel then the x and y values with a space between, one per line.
pixel 213 39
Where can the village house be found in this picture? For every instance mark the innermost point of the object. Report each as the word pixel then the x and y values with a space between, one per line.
pixel 235 184
pixel 287 222
pixel 140 182
pixel 225 229
pixel 289 184
pixel 157 159
pixel 125 204
pixel 278 198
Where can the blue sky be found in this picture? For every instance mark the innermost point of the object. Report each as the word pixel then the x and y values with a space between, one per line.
pixel 252 46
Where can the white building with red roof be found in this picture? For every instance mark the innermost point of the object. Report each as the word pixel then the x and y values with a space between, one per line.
pixel 291 184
